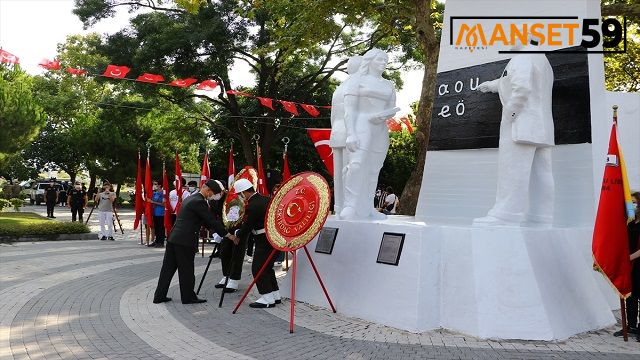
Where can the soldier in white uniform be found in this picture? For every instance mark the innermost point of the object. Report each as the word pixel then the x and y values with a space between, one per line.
pixel 525 180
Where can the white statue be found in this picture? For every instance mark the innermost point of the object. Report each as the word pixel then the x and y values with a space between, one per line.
pixel 525 180
pixel 338 139
pixel 369 100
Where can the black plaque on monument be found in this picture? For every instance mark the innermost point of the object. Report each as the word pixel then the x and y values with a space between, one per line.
pixel 326 239
pixel 390 248
pixel 465 118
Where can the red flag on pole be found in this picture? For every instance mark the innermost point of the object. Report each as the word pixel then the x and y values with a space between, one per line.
pixel 139 201
pixel 178 180
pixel 407 123
pixel 262 180
pixel 393 125
pixel 148 193
pixel 320 139
pixel 289 107
pixel 167 205
pixel 311 110
pixel 204 173
pixel 9 58
pixel 115 71
pixel 610 244
pixel 231 170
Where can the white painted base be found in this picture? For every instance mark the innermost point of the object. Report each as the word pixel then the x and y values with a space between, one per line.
pixel 506 283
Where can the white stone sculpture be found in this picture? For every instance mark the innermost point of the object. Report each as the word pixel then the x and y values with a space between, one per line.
pixel 369 100
pixel 338 139
pixel 525 181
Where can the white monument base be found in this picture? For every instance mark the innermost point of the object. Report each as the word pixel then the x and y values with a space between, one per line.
pixel 506 283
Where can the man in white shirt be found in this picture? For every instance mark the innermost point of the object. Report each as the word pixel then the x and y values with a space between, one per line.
pixel 173 198
pixel 390 201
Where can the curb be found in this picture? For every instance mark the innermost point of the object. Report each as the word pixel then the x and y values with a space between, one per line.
pixel 56 237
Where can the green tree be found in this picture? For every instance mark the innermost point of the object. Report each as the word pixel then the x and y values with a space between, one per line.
pixel 20 116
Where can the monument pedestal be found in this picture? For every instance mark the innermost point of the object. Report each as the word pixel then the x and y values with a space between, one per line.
pixel 501 282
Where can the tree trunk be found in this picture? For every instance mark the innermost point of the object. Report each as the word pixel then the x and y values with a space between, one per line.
pixel 92 184
pixel 72 175
pixel 118 190
pixel 426 36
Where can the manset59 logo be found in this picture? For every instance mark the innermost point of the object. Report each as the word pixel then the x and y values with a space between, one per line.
pixel 556 32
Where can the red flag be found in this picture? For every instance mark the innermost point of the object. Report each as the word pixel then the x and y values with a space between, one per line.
pixel 179 189
pixel 207 85
pixel 9 58
pixel 407 123
pixel 139 201
pixel 286 174
pixel 262 180
pixel 50 64
pixel 167 205
pixel 231 170
pixel 76 71
pixel 393 125
pixel 610 244
pixel 320 139
pixel 150 78
pixel 205 174
pixel 326 106
pixel 290 107
pixel 148 193
pixel 237 93
pixel 115 71
pixel 267 102
pixel 183 82
pixel 310 109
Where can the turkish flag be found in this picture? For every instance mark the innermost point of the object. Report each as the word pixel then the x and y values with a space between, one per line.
pixel 320 139
pixel 150 78
pixel 262 180
pixel 204 173
pixel 286 173
pixel 237 93
pixel 139 201
pixel 76 71
pixel 267 102
pixel 610 244
pixel 178 181
pixel 116 72
pixel 290 107
pixel 9 58
pixel 311 110
pixel 49 64
pixel 183 83
pixel 231 170
pixel 167 205
pixel 148 193
pixel 207 85
pixel 394 125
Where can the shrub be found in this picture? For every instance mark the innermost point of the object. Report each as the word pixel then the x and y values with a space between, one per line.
pixel 50 228
pixel 16 203
pixel 4 203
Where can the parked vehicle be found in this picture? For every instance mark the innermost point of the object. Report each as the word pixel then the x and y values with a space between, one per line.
pixel 36 194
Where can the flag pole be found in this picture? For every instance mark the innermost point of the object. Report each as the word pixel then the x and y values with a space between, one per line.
pixel 623 314
pixel 140 225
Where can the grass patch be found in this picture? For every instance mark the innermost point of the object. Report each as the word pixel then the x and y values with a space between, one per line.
pixel 26 223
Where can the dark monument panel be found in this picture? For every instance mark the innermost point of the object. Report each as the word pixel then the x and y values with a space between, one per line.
pixel 463 118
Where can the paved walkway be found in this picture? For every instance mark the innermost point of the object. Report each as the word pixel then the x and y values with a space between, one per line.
pixel 92 300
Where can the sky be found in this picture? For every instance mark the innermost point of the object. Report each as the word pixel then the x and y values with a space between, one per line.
pixel 31 30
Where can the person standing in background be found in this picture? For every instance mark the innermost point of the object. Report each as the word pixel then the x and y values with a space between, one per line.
pixel 77 200
pixel 158 214
pixel 104 201
pixel 51 194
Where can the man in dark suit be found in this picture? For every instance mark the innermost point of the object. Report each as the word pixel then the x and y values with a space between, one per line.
pixel 182 245
pixel 255 211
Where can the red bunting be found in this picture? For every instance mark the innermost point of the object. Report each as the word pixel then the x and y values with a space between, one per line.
pixel 183 83
pixel 290 107
pixel 76 71
pixel 394 125
pixel 116 72
pixel 9 58
pixel 49 64
pixel 237 93
pixel 150 78
pixel 310 109
pixel 207 85
pixel 266 102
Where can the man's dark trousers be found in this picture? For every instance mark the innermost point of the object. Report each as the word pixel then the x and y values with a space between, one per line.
pixel 51 204
pixel 267 282
pixel 232 254
pixel 76 210
pixel 179 258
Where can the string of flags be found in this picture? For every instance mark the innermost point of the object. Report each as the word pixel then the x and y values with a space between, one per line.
pixel 121 71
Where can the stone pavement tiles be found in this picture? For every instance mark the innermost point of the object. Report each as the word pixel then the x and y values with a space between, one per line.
pixel 92 300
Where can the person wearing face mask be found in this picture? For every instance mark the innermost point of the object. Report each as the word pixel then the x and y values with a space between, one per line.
pixel 174 197
pixel 105 200
pixel 158 214
pixel 254 225
pixel 77 201
pixel 51 195
pixel 192 187
pixel 182 245
pixel 231 252
pixel 631 302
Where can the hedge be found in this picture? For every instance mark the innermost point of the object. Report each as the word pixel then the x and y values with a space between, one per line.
pixel 24 224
